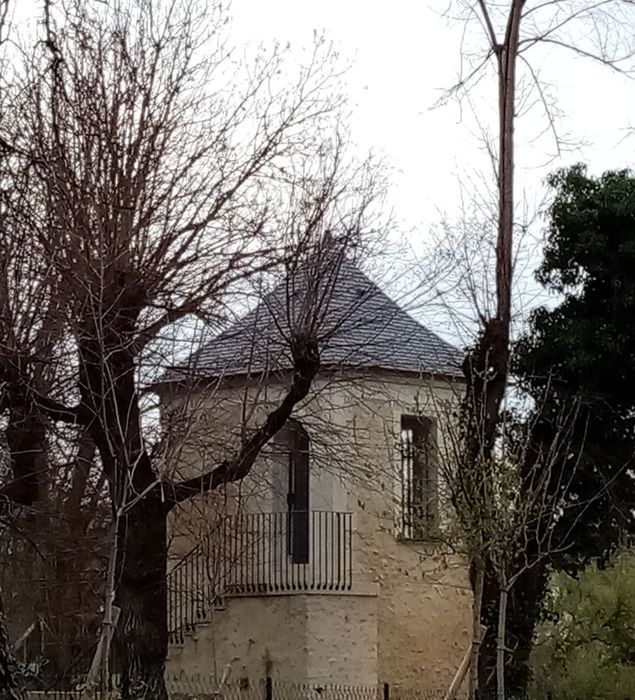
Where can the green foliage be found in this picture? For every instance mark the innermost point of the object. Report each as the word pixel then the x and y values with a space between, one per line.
pixel 584 349
pixel 586 648
pixel 581 352
pixel 590 258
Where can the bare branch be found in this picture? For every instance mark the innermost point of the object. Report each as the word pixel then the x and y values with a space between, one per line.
pixel 494 47
pixel 306 365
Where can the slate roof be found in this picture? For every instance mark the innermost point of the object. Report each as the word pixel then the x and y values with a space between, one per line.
pixel 359 327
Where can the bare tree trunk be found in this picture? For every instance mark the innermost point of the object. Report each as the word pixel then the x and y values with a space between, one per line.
pixel 507 54
pixel 487 366
pixel 142 597
pixel 111 613
pixel 26 443
pixel 109 393
pixel 523 612
pixel 500 644
pixel 479 578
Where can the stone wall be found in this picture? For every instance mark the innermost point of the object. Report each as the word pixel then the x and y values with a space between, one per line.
pixel 424 605
pixel 417 629
pixel 296 637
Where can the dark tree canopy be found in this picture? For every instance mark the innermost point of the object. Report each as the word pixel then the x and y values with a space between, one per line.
pixel 584 348
pixel 579 352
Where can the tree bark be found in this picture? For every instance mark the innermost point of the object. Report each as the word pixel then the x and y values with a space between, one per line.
pixel 524 608
pixel 111 402
pixel 479 578
pixel 142 632
pixel 26 443
pixel 100 666
pixel 486 367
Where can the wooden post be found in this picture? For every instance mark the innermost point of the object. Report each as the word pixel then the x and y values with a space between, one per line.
pixel 386 691
pixel 268 688
pixel 461 671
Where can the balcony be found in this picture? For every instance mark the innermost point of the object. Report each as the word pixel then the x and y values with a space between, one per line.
pixel 261 554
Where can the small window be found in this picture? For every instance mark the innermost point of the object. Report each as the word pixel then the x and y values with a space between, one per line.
pixel 419 510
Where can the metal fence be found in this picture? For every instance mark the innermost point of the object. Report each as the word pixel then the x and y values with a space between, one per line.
pixel 264 559
pixel 199 687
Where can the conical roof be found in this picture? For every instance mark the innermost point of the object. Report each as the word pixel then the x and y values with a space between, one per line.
pixel 359 327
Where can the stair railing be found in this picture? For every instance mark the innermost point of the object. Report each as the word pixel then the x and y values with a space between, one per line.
pixel 259 554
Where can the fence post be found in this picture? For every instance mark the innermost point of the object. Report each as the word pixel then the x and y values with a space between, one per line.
pixel 268 688
pixel 386 691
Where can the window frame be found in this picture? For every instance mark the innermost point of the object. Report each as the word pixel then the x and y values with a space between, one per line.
pixel 418 496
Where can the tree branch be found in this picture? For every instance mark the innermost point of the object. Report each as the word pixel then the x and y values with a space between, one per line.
pixel 306 365
pixel 611 63
pixel 55 410
pixel 489 25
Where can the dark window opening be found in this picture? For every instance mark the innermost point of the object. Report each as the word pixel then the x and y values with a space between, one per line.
pixel 419 511
pixel 298 494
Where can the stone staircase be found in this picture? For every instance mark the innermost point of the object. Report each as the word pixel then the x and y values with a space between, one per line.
pixel 194 595
pixel 254 554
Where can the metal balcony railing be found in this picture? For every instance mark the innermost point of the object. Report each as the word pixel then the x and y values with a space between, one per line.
pixel 260 554
pixel 297 551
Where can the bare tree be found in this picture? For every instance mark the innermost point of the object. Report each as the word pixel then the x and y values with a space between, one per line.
pixel 508 32
pixel 507 513
pixel 162 175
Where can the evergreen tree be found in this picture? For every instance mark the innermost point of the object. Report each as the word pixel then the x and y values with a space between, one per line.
pixel 582 350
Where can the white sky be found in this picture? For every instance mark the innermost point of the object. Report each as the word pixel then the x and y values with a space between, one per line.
pixel 403 55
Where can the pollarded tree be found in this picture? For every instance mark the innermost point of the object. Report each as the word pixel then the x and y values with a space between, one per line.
pixel 582 350
pixel 163 174
pixel 508 32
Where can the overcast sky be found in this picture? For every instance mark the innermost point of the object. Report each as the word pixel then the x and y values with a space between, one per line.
pixel 403 55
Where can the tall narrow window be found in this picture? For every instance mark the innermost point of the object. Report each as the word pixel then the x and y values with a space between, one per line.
pixel 298 494
pixel 418 478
